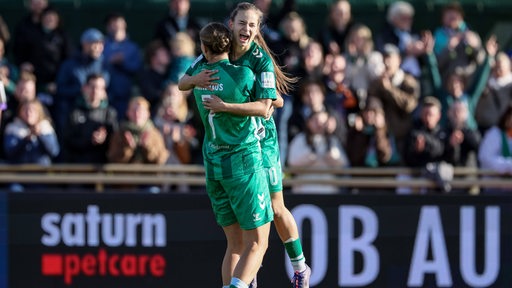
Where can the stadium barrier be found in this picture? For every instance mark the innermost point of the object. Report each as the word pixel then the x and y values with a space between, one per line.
pixel 193 175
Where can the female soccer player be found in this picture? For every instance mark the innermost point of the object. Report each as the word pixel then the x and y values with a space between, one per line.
pixel 249 49
pixel 235 179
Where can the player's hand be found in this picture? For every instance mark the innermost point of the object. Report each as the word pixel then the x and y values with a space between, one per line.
pixel 214 104
pixel 205 79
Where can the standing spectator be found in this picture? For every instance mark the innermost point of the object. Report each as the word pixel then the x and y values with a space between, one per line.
pixel 370 143
pixel 312 63
pixel 182 54
pixel 456 87
pixel 497 96
pixel 137 140
pixel 496 148
pixel 178 19
pixel 91 124
pixel 25 90
pixel 8 72
pixel 272 20
pixel 30 138
pixel 339 96
pixel 27 29
pixel 173 120
pixel 399 92
pixel 457 48
pixel 462 145
pixel 122 57
pixel 340 22
pixel 364 64
pixel 46 51
pixel 397 31
pixel 73 74
pixel 293 41
pixel 316 147
pixel 152 78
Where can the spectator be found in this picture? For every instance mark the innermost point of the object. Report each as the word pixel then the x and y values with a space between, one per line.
pixel 462 145
pixel 272 20
pixel 370 143
pixel 8 72
pixel 25 91
pixel 339 96
pixel 137 140
pixel 397 31
pixel 316 147
pixel 122 57
pixel 153 76
pixel 456 88
pixel 46 52
pixel 5 35
pixel 30 138
pixel 311 64
pixel 457 48
pixel 312 99
pixel 497 96
pixel 425 147
pixel 27 29
pixel 73 74
pixel 91 124
pixel 173 120
pixel 178 19
pixel 340 22
pixel 399 92
pixel 495 150
pixel 363 63
pixel 182 54
pixel 293 41
pixel 426 140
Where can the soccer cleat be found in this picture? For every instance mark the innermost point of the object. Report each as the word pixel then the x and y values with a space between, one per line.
pixel 254 283
pixel 301 279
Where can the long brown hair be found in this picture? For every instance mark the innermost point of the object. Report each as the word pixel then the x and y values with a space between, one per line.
pixel 283 81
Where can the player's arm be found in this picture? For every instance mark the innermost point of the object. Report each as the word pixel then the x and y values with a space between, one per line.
pixel 259 107
pixel 279 102
pixel 203 79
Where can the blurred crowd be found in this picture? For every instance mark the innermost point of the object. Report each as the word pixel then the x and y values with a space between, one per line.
pixel 381 98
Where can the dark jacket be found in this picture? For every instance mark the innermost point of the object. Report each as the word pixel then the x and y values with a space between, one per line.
pixel 83 121
pixel 435 141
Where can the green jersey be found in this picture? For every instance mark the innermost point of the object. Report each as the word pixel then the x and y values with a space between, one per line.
pixel 231 145
pixel 261 64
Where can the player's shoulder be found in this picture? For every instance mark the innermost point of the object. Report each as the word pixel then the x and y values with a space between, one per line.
pixel 198 61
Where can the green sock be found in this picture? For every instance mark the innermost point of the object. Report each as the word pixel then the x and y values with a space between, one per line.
pixel 294 250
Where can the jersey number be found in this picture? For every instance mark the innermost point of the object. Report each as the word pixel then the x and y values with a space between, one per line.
pixel 272 175
pixel 210 117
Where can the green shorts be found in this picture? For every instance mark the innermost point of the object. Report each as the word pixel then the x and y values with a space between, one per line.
pixel 272 164
pixel 243 199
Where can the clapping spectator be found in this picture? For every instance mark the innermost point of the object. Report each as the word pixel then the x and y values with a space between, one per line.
pixel 371 144
pixel 137 140
pixel 317 147
pixel 173 120
pixel 122 57
pixel 30 138
pixel 462 145
pixel 397 32
pixel 364 64
pixel 497 96
pixel 91 124
pixel 458 48
pixel 399 92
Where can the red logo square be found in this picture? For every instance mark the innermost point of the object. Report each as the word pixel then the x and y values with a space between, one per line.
pixel 51 264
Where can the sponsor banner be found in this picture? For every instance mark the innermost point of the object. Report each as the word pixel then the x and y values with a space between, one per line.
pixel 3 240
pixel 139 240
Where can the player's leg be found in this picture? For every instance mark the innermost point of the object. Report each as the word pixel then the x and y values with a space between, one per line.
pixel 233 251
pixel 251 202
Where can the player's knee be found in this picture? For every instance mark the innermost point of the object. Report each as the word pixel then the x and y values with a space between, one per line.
pixel 279 209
